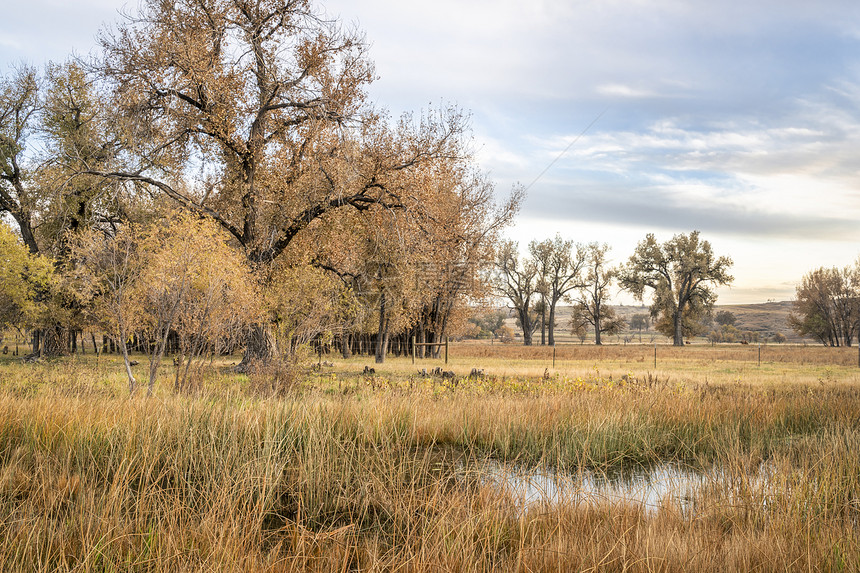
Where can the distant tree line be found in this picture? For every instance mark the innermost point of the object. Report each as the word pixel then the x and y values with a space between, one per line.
pixel 680 274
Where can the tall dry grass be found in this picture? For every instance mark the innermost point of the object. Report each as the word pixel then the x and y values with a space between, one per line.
pixel 367 474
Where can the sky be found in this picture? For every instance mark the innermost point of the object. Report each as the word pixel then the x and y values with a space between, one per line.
pixel 739 119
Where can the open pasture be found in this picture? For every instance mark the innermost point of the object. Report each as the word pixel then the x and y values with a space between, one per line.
pixel 691 365
pixel 337 470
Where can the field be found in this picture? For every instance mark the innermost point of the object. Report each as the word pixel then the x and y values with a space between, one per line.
pixel 331 469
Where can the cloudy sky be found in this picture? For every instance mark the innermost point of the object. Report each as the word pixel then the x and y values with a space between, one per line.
pixel 737 118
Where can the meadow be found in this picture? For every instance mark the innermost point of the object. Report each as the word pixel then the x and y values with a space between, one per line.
pixel 331 469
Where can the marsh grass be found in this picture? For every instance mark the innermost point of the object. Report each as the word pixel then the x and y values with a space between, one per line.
pixel 343 472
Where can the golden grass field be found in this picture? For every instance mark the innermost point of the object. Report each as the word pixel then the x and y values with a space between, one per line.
pixel 334 470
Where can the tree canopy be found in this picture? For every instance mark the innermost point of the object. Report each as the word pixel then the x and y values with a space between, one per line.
pixel 25 282
pixel 681 273
pixel 253 114
pixel 827 306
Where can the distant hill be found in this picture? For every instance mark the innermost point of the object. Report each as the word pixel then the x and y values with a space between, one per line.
pixel 763 317
pixel 767 317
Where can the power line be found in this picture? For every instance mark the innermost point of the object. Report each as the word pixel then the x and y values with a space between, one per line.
pixel 566 149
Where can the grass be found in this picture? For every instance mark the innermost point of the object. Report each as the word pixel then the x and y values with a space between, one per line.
pixel 346 472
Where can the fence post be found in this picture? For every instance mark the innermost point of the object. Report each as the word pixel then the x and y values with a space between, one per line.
pixel 553 356
pixel 655 356
pixel 446 350
pixel 413 349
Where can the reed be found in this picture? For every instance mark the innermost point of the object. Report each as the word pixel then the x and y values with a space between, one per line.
pixel 347 473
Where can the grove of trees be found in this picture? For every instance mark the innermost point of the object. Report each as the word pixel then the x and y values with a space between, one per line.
pixel 681 273
pixel 219 159
pixel 215 178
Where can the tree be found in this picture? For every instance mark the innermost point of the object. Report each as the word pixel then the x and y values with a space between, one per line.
pixel 461 228
pixel 640 322
pixel 488 322
pixel 827 305
pixel 517 282
pixel 265 101
pixel 25 282
pixel 725 318
pixel 694 322
pixel 592 304
pixel 310 304
pixel 579 324
pixel 106 275
pixel 223 299
pixel 50 128
pixel 681 272
pixel 559 265
pixel 19 104
pixel 192 283
pixel 75 137
pixel 427 264
pixel 175 277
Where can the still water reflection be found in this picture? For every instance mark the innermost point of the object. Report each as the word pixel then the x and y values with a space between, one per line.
pixel 649 487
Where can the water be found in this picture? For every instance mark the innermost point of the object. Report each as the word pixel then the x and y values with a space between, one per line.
pixel 650 488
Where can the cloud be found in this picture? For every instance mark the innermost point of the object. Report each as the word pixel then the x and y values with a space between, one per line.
pixel 739 174
pixel 624 91
pixel 681 209
pixel 11 42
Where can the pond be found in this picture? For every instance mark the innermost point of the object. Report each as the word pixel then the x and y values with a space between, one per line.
pixel 650 488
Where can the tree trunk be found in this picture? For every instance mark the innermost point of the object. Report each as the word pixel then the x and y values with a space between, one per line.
pixel 132 383
pixel 382 332
pixel 543 322
pixel 55 341
pixel 679 332
pixel 526 324
pixel 551 325
pixel 382 345
pixel 345 348
pixel 260 347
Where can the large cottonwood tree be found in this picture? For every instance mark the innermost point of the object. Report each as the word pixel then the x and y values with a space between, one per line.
pixel 681 272
pixel 264 101
pixel 517 282
pixel 827 305
pixel 559 264
pixel 592 302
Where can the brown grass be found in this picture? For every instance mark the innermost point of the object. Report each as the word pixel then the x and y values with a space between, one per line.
pixel 644 353
pixel 354 473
